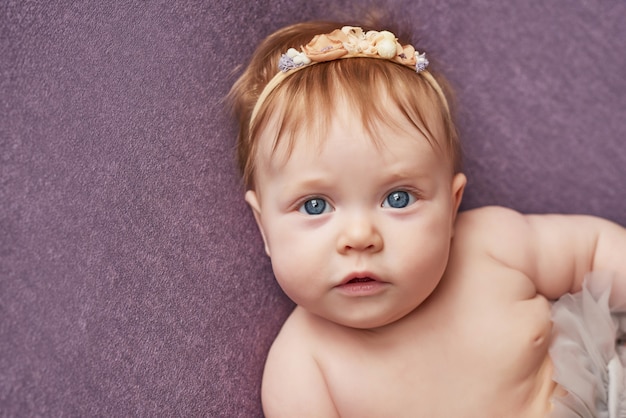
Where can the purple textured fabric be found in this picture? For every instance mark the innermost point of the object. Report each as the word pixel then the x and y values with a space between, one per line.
pixel 132 278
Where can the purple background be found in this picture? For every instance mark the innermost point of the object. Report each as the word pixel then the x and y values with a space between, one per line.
pixel 132 278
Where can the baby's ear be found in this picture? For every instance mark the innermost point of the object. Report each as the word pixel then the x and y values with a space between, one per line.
pixel 458 187
pixel 253 200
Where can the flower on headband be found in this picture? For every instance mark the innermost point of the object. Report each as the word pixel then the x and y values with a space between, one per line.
pixel 326 47
pixel 293 59
pixel 409 57
pixel 421 62
pixel 384 43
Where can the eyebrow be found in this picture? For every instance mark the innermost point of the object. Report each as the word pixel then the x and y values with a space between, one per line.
pixel 403 172
pixel 313 182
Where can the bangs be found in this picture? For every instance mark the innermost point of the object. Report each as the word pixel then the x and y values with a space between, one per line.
pixel 303 105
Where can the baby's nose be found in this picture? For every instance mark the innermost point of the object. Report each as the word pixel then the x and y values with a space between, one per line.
pixel 359 233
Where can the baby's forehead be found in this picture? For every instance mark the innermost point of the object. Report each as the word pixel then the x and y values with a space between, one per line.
pixel 314 142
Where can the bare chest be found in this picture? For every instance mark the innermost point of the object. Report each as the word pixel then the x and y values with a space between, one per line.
pixel 478 359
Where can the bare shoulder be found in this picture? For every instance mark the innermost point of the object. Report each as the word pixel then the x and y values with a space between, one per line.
pixel 495 235
pixel 487 215
pixel 491 228
pixel 293 383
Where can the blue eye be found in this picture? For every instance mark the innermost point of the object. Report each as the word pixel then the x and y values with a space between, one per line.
pixel 315 206
pixel 398 200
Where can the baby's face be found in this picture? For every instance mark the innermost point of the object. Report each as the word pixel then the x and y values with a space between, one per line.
pixel 358 230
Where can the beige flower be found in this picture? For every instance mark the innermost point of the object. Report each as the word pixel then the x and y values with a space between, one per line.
pixel 407 56
pixel 326 47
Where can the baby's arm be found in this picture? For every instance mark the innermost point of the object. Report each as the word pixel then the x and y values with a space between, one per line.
pixel 293 384
pixel 555 251
pixel 585 243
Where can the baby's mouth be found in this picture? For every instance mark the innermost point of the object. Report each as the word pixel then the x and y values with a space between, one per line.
pixel 361 284
pixel 361 280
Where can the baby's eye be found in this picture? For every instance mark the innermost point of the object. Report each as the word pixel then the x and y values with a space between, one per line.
pixel 315 206
pixel 398 200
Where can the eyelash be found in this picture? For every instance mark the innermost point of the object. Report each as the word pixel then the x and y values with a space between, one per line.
pixel 404 197
pixel 316 206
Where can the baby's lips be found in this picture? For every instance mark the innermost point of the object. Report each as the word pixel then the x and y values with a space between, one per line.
pixel 359 276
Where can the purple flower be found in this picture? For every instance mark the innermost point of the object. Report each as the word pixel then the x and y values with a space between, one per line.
pixel 421 63
pixel 286 63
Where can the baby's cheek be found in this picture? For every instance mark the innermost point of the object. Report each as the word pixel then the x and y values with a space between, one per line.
pixel 290 268
pixel 298 273
pixel 424 258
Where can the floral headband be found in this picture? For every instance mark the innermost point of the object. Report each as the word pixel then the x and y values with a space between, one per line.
pixel 347 42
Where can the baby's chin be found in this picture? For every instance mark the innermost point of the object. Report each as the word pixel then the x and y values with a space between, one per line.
pixel 368 321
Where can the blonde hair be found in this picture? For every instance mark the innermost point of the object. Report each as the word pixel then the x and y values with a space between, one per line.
pixel 306 99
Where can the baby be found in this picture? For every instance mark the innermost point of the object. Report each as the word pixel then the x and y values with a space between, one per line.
pixel 405 307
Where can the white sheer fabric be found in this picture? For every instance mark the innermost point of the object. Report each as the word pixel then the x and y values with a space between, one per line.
pixel 588 353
